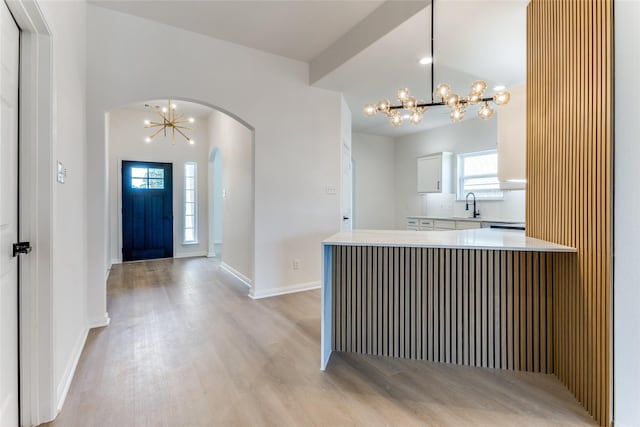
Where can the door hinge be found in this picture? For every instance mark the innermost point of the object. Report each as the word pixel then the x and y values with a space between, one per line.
pixel 21 248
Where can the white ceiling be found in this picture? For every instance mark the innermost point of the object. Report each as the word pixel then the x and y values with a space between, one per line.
pixel 189 109
pixel 474 40
pixel 295 29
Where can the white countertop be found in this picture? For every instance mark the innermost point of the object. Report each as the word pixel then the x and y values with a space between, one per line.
pixel 484 238
pixel 455 218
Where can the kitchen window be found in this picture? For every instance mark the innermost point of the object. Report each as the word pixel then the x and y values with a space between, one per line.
pixel 478 173
pixel 190 204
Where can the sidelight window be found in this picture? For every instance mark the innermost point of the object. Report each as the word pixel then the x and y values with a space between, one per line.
pixel 190 203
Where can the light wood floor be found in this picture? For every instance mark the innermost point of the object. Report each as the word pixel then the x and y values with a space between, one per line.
pixel 187 347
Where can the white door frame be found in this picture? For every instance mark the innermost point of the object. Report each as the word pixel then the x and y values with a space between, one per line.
pixel 36 177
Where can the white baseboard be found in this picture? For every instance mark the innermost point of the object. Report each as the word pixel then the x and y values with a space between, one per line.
pixel 300 287
pixel 100 322
pixel 70 370
pixel 190 254
pixel 216 249
pixel 116 261
pixel 235 273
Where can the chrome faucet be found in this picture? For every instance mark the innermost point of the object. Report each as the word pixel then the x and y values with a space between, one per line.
pixel 476 212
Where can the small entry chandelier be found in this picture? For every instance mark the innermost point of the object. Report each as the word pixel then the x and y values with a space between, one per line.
pixel 458 104
pixel 175 123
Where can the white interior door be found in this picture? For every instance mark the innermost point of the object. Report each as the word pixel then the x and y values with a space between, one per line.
pixel 9 66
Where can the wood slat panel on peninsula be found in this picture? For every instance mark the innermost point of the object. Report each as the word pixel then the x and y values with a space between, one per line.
pixel 470 307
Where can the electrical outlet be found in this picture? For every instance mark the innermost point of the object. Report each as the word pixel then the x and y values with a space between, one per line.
pixel 296 264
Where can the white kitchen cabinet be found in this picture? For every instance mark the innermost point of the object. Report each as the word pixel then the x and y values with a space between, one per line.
pixel 419 224
pixel 442 225
pixel 434 173
pixel 413 224
pixel 467 225
pixel 512 140
pixel 426 224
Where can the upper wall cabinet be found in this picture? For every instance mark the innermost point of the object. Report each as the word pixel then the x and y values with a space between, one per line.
pixel 434 173
pixel 512 140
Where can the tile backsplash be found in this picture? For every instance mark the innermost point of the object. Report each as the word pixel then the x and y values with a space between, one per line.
pixel 511 208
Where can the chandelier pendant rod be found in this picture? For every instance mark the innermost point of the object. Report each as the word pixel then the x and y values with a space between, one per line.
pixel 433 55
pixel 437 104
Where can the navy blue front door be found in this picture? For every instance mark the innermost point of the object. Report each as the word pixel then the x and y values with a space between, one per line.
pixel 147 210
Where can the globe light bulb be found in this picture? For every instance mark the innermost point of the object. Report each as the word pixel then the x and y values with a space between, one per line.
pixel 474 98
pixel 370 110
pixel 501 98
pixel 191 120
pixel 383 106
pixel 147 140
pixel 164 109
pixel 410 103
pixel 402 93
pixel 191 141
pixel 452 100
pixel 147 122
pixel 396 119
pixel 478 87
pixel 456 115
pixel 442 90
pixel 173 106
pixel 416 118
pixel 485 112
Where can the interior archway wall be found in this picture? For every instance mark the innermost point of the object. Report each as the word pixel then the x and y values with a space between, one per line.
pixel 233 144
pixel 215 202
pixel 127 142
pixel 296 137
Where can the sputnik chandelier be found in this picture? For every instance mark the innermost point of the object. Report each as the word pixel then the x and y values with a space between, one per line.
pixel 170 120
pixel 414 110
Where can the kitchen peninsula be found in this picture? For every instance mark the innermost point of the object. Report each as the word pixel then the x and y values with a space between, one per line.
pixel 477 297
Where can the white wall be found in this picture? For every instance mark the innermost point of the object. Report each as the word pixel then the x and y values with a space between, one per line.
pixel 297 135
pixel 467 136
pixel 626 291
pixel 215 203
pixel 67 21
pixel 346 179
pixel 374 180
pixel 234 144
pixel 126 142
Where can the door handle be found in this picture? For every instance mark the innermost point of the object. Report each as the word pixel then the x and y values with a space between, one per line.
pixel 21 248
pixel 345 218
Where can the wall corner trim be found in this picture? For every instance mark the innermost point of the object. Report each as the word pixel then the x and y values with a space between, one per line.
pixel 100 322
pixel 235 273
pixel 190 254
pixel 69 372
pixel 273 292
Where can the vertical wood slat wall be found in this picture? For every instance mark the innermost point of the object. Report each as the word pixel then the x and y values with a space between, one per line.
pixel 471 307
pixel 569 182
